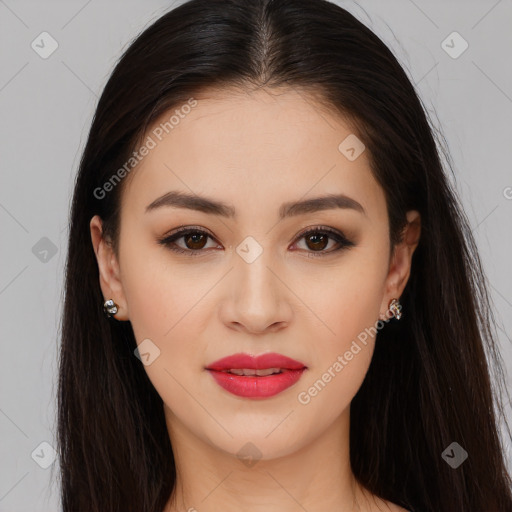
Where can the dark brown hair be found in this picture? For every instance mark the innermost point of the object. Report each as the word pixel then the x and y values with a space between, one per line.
pixel 429 383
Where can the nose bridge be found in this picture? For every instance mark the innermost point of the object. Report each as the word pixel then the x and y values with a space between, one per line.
pixel 259 298
pixel 252 275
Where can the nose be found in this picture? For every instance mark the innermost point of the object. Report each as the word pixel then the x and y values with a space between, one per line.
pixel 258 300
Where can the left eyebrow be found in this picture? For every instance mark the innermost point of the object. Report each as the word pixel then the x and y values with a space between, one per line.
pixel 177 199
pixel 329 202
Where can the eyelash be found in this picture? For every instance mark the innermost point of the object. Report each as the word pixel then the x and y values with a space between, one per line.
pixel 168 241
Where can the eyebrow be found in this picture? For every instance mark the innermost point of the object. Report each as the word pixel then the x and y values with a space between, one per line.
pixel 177 199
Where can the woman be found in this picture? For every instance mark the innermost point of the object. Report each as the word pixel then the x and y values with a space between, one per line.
pixel 273 298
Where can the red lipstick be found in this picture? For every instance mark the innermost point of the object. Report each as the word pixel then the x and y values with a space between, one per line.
pixel 256 376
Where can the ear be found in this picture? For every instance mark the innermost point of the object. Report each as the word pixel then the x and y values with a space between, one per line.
pixel 400 266
pixel 110 281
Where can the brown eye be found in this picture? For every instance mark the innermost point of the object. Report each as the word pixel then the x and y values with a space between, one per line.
pixel 195 240
pixel 317 242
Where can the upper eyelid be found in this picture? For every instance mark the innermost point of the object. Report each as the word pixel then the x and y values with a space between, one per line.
pixel 182 231
pixel 187 229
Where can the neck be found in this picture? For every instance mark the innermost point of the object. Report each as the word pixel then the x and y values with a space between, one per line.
pixel 316 476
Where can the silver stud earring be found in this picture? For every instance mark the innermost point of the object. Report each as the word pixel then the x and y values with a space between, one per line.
pixel 110 307
pixel 396 308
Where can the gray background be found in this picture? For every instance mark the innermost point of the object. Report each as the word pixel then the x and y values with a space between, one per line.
pixel 46 109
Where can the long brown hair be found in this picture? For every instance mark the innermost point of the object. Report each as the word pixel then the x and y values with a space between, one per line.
pixel 429 383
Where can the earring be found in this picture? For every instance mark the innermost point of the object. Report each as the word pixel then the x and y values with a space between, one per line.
pixel 396 308
pixel 110 307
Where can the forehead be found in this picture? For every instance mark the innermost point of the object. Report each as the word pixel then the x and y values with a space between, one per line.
pixel 258 146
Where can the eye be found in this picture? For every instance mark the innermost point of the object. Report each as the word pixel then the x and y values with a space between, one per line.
pixel 317 239
pixel 194 239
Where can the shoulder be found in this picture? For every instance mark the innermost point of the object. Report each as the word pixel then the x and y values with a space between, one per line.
pixel 392 507
pixel 377 504
pixel 397 508
pixel 381 505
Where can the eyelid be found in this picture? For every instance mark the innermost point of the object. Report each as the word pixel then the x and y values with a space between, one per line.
pixel 323 229
pixel 186 229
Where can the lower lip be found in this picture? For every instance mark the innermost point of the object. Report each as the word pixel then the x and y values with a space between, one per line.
pixel 256 387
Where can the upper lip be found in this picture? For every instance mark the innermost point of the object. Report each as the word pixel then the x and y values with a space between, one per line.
pixel 261 362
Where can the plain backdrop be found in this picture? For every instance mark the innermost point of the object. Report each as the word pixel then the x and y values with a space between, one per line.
pixel 46 110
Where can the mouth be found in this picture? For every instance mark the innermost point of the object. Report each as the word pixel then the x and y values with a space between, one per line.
pixel 249 372
pixel 263 376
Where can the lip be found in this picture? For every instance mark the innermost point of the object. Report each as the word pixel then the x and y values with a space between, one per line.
pixel 255 386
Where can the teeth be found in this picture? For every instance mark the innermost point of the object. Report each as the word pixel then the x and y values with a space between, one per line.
pixel 259 373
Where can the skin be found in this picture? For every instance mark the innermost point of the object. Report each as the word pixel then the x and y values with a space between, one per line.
pixel 256 151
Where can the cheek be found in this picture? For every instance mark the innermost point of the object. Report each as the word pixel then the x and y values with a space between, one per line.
pixel 350 303
pixel 164 301
pixel 349 309
pixel 341 361
pixel 347 297
pixel 156 293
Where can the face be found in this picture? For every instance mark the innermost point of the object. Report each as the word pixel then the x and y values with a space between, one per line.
pixel 247 277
